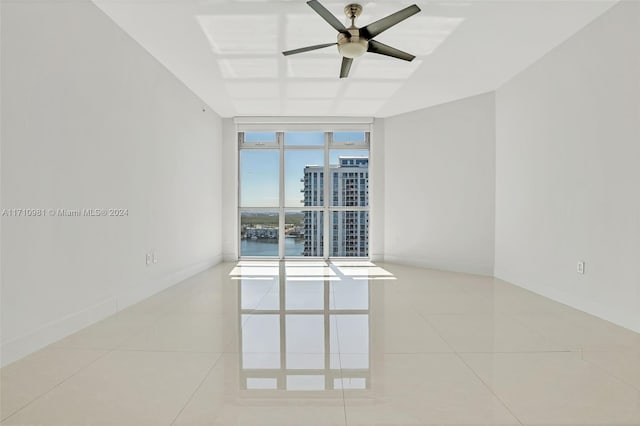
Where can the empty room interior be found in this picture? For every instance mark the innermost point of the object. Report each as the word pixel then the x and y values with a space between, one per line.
pixel 249 212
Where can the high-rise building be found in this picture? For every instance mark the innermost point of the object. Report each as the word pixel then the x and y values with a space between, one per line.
pixel 349 187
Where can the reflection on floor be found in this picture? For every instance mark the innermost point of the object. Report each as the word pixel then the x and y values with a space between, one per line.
pixel 306 327
pixel 339 343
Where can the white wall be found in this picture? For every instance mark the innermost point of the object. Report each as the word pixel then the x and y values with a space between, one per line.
pixel 91 120
pixel 230 237
pixel 568 153
pixel 376 190
pixel 439 186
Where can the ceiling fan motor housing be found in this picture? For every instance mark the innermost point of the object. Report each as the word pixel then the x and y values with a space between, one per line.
pixel 354 46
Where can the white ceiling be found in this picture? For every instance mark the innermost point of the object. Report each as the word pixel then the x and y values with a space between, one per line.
pixel 228 51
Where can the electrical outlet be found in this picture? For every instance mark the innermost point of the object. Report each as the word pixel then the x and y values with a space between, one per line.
pixel 148 259
pixel 154 258
pixel 580 268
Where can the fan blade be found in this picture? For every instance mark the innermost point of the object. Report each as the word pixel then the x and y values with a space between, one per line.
pixel 328 16
pixel 383 49
pixel 307 49
pixel 346 66
pixel 375 28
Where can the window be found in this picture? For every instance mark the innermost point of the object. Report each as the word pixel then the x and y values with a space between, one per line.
pixel 260 137
pixel 304 194
pixel 259 178
pixel 259 233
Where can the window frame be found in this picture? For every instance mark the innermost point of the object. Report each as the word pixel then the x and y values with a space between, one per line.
pixel 328 146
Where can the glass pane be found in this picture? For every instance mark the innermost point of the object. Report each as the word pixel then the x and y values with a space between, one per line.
pixel 304 178
pixel 258 233
pixel 293 233
pixel 349 233
pixel 313 233
pixel 259 178
pixel 304 138
pixel 342 137
pixel 253 137
pixel 303 233
pixel 349 174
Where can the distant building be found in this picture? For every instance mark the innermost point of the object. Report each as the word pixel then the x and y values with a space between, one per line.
pixel 261 232
pixel 349 186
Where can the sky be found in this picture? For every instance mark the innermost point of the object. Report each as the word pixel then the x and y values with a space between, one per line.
pixel 259 168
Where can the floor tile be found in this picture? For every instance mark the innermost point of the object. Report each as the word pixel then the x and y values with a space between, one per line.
pixel 351 334
pixel 257 294
pixel 451 302
pixel 406 332
pixel 188 332
pixel 23 381
pixel 349 295
pixel 223 399
pixel 248 270
pixel 362 271
pixel 304 295
pixel 308 271
pixel 547 388
pixel 510 299
pixel 209 298
pixel 490 333
pixel 121 388
pixel 318 347
pixel 624 365
pixel 579 331
pixel 166 300
pixel 109 333
pixel 425 389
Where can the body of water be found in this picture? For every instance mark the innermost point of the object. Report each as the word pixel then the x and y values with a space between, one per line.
pixel 264 248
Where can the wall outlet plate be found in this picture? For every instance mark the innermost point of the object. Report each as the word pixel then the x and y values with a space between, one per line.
pixel 148 258
pixel 580 268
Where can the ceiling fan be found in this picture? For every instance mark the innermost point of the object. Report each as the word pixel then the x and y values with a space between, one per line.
pixel 353 41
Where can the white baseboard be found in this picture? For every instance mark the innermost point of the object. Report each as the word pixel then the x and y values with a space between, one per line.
pixel 53 331
pixel 152 287
pixel 229 257
pixel 623 319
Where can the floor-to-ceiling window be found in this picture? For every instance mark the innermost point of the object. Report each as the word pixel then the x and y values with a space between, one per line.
pixel 304 194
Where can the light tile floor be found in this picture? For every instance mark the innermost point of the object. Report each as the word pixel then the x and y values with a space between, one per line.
pixel 311 343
